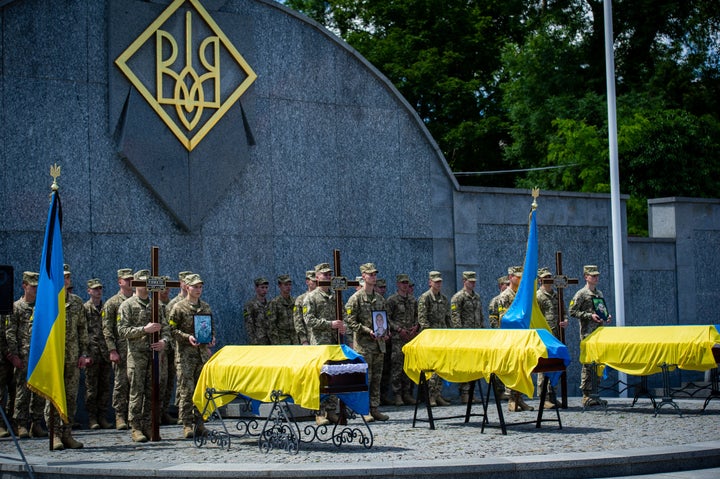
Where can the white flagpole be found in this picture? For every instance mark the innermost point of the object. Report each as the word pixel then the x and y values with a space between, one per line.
pixel 614 174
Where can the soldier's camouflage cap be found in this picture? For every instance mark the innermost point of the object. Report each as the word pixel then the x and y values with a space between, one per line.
pixel 543 273
pixel 94 283
pixel 322 268
pixel 402 278
pixel 381 283
pixel 310 274
pixel 435 276
pixel 66 269
pixel 258 281
pixel 183 274
pixel 124 273
pixel 503 280
pixel 515 271
pixel 284 278
pixel 590 269
pixel 368 268
pixel 469 276
pixel 31 278
pixel 141 275
pixel 193 278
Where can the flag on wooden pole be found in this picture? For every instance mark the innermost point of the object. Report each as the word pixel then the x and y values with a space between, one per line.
pixel 46 362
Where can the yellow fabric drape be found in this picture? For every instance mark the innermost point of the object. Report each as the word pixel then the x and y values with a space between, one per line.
pixel 641 350
pixel 256 371
pixel 461 355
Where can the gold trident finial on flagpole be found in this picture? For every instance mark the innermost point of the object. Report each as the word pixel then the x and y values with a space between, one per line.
pixel 535 194
pixel 55 173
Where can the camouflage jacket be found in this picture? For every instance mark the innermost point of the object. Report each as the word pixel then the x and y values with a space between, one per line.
pixel 505 299
pixel 182 326
pixel 135 314
pixel 548 303
pixel 433 311
pixel 401 313
pixel 18 329
pixel 298 320
pixel 358 310
pixel 257 325
pixel 96 340
pixel 319 313
pixel 280 319
pixel 582 308
pixel 110 319
pixel 76 332
pixel 466 310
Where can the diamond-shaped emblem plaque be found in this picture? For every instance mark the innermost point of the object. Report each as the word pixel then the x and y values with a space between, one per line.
pixel 190 90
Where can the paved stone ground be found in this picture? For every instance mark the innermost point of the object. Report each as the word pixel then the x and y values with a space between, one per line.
pixel 620 428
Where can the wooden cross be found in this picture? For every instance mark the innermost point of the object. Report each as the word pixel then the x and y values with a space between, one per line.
pixel 338 283
pixel 560 281
pixel 155 284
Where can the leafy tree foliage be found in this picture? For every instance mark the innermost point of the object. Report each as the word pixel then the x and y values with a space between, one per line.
pixel 511 84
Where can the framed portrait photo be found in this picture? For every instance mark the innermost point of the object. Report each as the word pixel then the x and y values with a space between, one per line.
pixel 380 325
pixel 601 308
pixel 203 328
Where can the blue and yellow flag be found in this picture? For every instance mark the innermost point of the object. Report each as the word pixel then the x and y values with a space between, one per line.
pixel 46 363
pixel 524 311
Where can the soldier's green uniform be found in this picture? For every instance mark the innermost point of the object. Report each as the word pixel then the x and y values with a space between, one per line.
pixel 255 313
pixel 319 313
pixel 7 383
pixel 359 316
pixel 434 313
pixel 280 317
pixel 110 317
pixel 76 346
pixel 493 313
pixel 403 324
pixel 466 312
pixel 548 304
pixel 28 405
pixel 135 314
pixel 298 320
pixel 189 359
pixel 582 308
pixel 98 376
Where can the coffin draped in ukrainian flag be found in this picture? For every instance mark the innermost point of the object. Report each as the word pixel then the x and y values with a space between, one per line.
pixel 257 371
pixel 642 350
pixel 462 355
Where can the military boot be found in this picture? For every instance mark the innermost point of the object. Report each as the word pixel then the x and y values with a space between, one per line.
pixel 512 403
pixel 36 430
pixel 57 444
pixel 93 423
pixel 464 398
pixel 399 400
pixel 377 415
pixel 441 401
pixel 4 432
pixel 321 419
pixel 188 432
pixel 22 432
pixel 104 423
pixel 138 436
pixel 408 399
pixel 68 441
pixel 523 405
pixel 120 423
pixel 368 418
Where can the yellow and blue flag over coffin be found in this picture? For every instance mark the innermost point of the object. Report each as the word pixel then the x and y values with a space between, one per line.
pixel 524 312
pixel 46 362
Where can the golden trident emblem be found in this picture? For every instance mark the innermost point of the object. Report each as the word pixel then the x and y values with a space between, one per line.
pixel 535 194
pixel 55 173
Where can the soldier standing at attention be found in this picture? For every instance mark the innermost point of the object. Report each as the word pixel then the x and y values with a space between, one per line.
pixel 98 375
pixel 466 312
pixel 167 360
pixel 434 313
pixel 136 327
pixel 280 314
pixel 7 384
pixel 583 308
pixel 76 358
pixel 298 320
pixel 547 299
pixel 255 314
pixel 403 325
pixel 359 310
pixel 190 355
pixel 117 348
pixel 28 405
pixel 323 327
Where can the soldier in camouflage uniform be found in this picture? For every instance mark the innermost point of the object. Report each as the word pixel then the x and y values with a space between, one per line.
pixel 360 319
pixel 280 314
pixel 28 405
pixel 434 313
pixel 255 313
pixel 98 375
pixel 583 308
pixel 167 362
pixel 191 356
pixel 7 383
pixel 493 313
pixel 403 324
pixel 323 327
pixel 386 399
pixel 137 327
pixel 117 348
pixel 547 299
pixel 76 358
pixel 298 320
pixel 466 312
pixel 181 295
